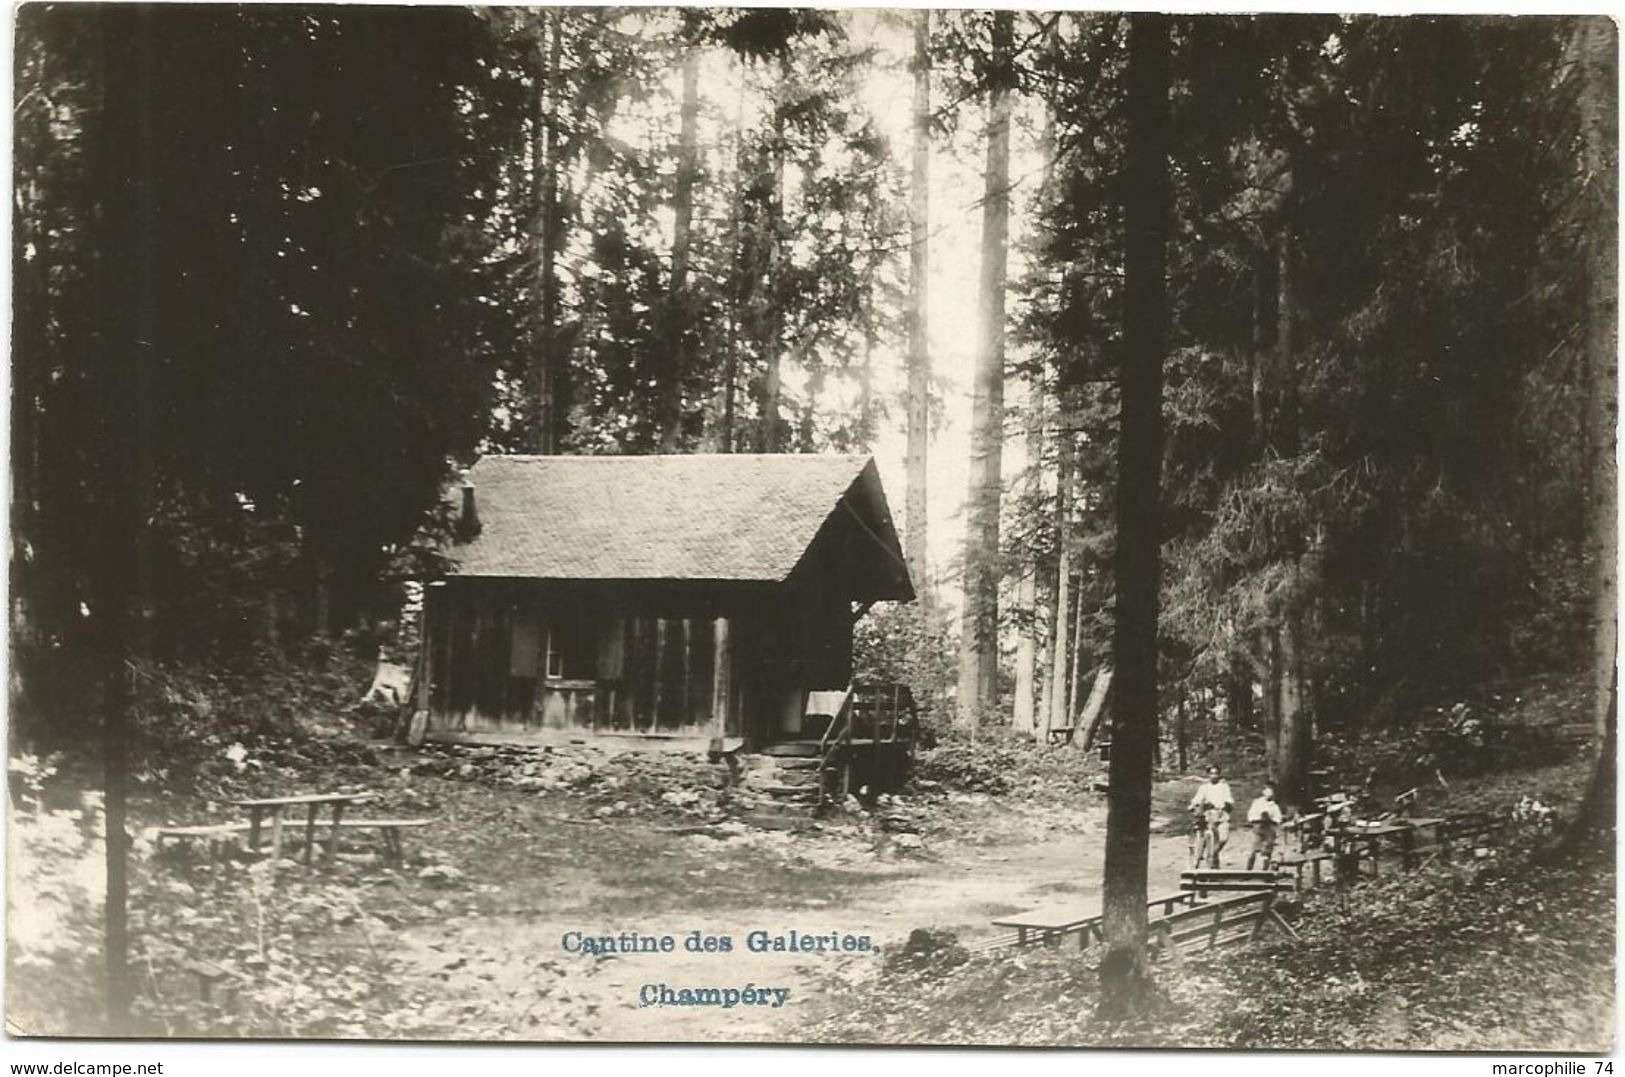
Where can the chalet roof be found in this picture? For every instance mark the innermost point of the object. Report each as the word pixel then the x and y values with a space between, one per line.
pixel 698 517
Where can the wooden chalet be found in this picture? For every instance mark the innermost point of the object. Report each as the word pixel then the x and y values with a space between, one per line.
pixel 665 601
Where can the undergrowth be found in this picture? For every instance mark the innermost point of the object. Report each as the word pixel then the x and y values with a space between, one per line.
pixel 1509 953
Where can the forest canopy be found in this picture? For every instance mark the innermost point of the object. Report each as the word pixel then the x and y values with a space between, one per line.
pixel 280 271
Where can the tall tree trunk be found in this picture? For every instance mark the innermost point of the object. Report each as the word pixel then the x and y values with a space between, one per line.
pixel 1263 332
pixel 1593 49
pixel 322 596
pixel 1291 771
pixel 679 334
pixel 1269 649
pixel 1181 736
pixel 125 154
pixel 1021 712
pixel 29 364
pixel 1060 670
pixel 1296 741
pixel 1285 436
pixel 1022 709
pixel 1125 978
pixel 919 354
pixel 866 380
pixel 1056 716
pixel 1238 696
pixel 1024 717
pixel 1074 687
pixel 979 637
pixel 724 437
pixel 1046 661
pixel 546 361
pixel 770 432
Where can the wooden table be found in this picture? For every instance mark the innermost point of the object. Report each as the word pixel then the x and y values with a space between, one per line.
pixel 1051 924
pixel 1405 830
pixel 1356 836
pixel 313 804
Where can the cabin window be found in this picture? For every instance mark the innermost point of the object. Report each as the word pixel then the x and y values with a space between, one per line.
pixel 572 647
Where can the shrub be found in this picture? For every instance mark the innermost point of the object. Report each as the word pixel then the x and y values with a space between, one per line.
pixel 56 887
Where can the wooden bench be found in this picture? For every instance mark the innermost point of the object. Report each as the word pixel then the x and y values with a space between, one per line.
pixel 1310 829
pixel 389 830
pixel 313 803
pixel 1051 925
pixel 1208 880
pixel 1062 733
pixel 1478 832
pixel 1311 860
pixel 1210 925
pixel 215 834
pixel 997 942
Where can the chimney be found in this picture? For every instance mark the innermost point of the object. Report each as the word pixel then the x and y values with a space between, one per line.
pixel 468 524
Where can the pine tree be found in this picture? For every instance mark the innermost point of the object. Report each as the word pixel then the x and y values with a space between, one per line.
pixel 919 354
pixel 1124 977
pixel 978 693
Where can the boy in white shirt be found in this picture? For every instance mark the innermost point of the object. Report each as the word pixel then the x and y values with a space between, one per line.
pixel 1211 807
pixel 1264 816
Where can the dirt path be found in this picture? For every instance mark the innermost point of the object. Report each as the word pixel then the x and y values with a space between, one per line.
pixel 521 968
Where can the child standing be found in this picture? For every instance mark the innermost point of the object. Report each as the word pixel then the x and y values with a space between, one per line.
pixel 1264 816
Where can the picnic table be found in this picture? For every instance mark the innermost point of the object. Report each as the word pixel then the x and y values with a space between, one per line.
pixel 1371 835
pixel 313 803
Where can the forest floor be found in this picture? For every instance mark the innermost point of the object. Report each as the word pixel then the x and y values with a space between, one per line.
pixel 470 939
pixel 467 940
pixel 1506 954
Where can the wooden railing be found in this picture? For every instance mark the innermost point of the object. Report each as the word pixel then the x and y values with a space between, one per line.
pixel 836 743
pixel 884 713
pixel 871 715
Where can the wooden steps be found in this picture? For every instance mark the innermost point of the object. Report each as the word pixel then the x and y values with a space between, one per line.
pixel 788 790
pixel 792 749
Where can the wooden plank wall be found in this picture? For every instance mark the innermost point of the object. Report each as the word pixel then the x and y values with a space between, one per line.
pixel 668 676
pixel 644 671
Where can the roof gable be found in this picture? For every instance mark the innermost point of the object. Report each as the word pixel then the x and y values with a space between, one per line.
pixel 698 517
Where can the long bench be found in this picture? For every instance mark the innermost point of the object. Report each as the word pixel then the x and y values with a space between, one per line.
pixel 1051 925
pixel 1209 925
pixel 216 834
pixel 1478 832
pixel 1309 860
pixel 1204 881
pixel 1177 922
pixel 389 830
